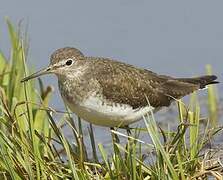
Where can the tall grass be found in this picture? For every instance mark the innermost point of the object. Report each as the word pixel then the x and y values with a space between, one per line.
pixel 33 146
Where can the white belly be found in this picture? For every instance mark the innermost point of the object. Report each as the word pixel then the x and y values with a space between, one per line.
pixel 96 112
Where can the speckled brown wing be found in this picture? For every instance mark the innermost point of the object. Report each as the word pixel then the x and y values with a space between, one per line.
pixel 126 84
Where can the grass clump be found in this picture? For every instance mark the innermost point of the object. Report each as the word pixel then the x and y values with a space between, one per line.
pixel 31 143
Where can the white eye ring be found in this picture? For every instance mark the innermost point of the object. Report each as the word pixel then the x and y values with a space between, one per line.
pixel 69 62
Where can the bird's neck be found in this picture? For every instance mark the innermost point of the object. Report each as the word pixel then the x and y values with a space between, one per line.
pixel 74 83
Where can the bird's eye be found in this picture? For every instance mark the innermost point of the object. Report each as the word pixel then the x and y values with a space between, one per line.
pixel 69 62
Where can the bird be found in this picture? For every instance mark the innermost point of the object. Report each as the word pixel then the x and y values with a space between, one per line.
pixel 110 93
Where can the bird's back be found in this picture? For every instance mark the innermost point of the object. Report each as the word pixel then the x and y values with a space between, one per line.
pixel 125 84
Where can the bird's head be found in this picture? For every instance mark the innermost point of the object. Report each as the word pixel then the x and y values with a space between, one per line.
pixel 61 61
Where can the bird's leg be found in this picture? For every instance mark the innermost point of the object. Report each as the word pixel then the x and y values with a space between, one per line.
pixel 128 130
pixel 129 144
pixel 114 136
pixel 83 150
pixel 115 141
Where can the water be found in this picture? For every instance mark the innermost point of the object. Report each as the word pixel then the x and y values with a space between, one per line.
pixel 170 37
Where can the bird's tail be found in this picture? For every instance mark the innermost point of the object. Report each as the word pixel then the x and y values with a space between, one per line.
pixel 202 81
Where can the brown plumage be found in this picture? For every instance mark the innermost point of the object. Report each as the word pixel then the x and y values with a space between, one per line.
pixel 65 53
pixel 126 84
pixel 111 93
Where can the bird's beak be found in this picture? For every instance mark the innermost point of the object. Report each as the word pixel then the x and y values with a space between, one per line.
pixel 37 74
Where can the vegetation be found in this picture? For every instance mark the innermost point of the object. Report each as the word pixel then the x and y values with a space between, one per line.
pixel 33 146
